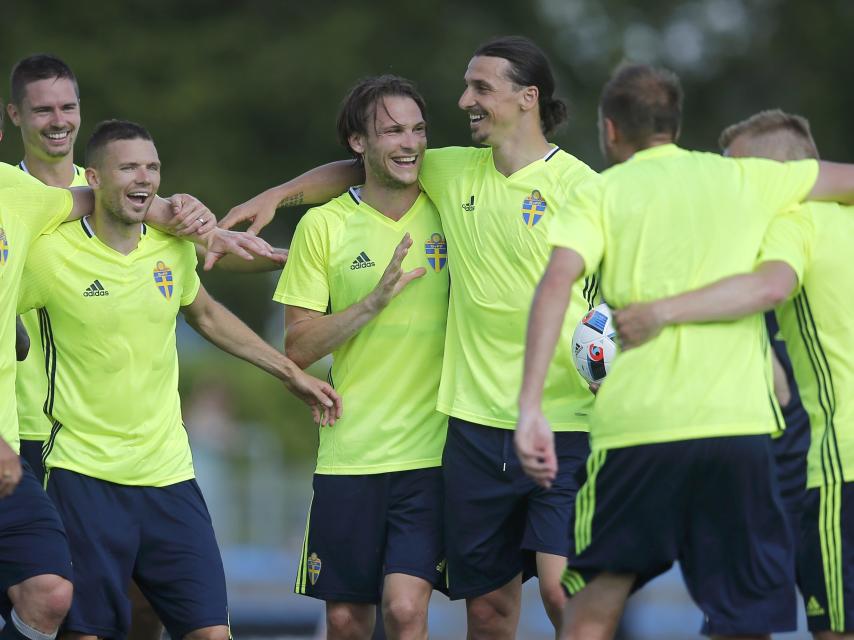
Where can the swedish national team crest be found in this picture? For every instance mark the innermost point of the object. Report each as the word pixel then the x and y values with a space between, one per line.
pixel 4 247
pixel 314 565
pixel 163 279
pixel 437 251
pixel 533 208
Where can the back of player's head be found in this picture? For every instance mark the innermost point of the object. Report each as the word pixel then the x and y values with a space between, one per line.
pixel 529 67
pixel 643 101
pixel 773 134
pixel 110 131
pixel 42 66
pixel 358 110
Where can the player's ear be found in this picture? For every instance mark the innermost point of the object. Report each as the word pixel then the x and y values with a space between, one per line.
pixel 611 131
pixel 92 177
pixel 357 143
pixel 14 116
pixel 530 98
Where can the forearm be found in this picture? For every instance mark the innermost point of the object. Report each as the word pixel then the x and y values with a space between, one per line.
pixel 835 183
pixel 226 331
pixel 307 341
pixel 730 298
pixel 318 185
pixel 548 309
pixel 83 203
pixel 236 264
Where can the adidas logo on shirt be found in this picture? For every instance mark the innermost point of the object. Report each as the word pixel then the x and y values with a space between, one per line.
pixel 95 289
pixel 362 261
pixel 814 608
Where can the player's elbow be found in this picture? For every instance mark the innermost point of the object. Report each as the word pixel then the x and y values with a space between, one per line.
pixel 294 349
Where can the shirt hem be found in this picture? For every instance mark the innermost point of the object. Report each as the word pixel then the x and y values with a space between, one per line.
pixel 608 443
pixel 373 469
pixel 505 424
pixel 125 482
pixel 294 301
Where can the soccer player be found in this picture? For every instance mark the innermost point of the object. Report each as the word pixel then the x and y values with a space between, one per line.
pixel 45 106
pixel 817 332
pixel 496 204
pixel 374 529
pixel 681 463
pixel 118 461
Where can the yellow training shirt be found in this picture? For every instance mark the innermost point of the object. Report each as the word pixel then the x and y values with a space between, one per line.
pixel 497 229
pixel 388 373
pixel 665 222
pixel 111 362
pixel 27 209
pixel 30 380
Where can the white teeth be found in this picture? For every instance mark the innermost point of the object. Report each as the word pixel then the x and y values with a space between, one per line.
pixel 138 194
pixel 405 159
pixel 58 136
pixel 475 117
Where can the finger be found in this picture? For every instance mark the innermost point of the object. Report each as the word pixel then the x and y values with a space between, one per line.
pixel 256 226
pixel 315 414
pixel 230 219
pixel 208 225
pixel 256 245
pixel 211 258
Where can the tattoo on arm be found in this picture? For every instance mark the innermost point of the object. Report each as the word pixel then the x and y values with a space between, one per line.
pixel 291 201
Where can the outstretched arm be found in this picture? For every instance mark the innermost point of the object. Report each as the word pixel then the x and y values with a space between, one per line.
pixel 534 439
pixel 310 335
pixel 727 299
pixel 225 330
pixel 317 186
pixel 835 183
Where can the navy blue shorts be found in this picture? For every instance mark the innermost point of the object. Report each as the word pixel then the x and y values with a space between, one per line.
pixel 496 518
pixel 711 503
pixel 32 538
pixel 31 451
pixel 826 558
pixel 363 527
pixel 161 537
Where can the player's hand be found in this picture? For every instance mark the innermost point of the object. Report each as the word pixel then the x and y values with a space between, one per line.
pixel 394 278
pixel 259 212
pixel 637 323
pixel 244 245
pixel 191 216
pixel 10 469
pixel 594 387
pixel 326 405
pixel 535 447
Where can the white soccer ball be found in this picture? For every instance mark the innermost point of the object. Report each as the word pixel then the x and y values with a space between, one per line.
pixel 594 344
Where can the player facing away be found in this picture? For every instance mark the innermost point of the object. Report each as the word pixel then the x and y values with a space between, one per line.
pixel 814 323
pixel 118 463
pixel 374 531
pixel 496 204
pixel 681 465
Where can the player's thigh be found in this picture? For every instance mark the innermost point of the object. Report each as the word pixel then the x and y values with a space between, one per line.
pixel 485 508
pixel 343 548
pixel 737 556
pixel 103 534
pixel 414 525
pixel 628 514
pixel 826 558
pixel 32 539
pixel 179 567
pixel 550 511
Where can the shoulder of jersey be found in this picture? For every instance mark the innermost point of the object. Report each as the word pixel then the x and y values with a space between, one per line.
pixel 336 209
pixel 472 155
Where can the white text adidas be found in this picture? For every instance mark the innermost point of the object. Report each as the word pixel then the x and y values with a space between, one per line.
pixel 95 289
pixel 362 261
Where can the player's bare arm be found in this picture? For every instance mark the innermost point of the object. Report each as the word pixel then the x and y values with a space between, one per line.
pixel 10 469
pixel 225 330
pixel 316 186
pixel 235 264
pixel 310 335
pixel 835 183
pixel 22 340
pixel 727 299
pixel 534 440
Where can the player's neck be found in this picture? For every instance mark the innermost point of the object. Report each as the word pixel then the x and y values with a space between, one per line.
pixel 121 236
pixel 519 149
pixel 54 174
pixel 390 202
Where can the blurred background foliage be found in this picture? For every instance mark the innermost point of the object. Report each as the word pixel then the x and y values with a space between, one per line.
pixel 242 95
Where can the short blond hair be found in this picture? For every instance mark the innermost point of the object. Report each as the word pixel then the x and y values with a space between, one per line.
pixel 788 133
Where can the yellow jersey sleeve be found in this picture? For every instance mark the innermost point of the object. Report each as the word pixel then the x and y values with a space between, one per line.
pixel 189 262
pixel 304 281
pixel 40 271
pixel 780 185
pixel 42 208
pixel 579 227
pixel 789 239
